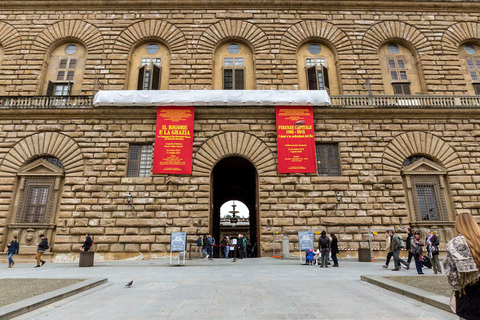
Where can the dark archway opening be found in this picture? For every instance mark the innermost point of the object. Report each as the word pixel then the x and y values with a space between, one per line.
pixel 235 178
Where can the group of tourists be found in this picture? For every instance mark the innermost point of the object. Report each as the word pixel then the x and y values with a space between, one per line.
pixel 326 248
pixel 206 245
pixel 427 258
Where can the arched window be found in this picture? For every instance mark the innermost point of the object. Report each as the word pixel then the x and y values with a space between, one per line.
pixel 149 67
pixel 469 55
pixel 399 70
pixel 233 67
pixel 317 68
pixel 66 65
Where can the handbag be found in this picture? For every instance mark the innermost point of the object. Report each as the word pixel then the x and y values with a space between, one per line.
pixel 453 302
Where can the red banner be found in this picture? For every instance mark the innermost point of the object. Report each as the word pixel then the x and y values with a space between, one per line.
pixel 174 140
pixel 296 140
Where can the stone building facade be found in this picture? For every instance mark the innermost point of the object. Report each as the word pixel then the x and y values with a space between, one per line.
pixel 400 153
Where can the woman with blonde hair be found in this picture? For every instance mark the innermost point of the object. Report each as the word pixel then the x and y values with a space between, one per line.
pixel 462 267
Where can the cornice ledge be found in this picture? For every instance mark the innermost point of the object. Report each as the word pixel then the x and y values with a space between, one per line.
pixel 406 5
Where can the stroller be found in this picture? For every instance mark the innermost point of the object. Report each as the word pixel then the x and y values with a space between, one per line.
pixel 310 256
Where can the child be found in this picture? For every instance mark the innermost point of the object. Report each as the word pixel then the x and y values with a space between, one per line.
pixel 318 256
pixel 309 256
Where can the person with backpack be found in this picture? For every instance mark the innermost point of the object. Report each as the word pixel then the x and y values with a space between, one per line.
pixel 388 248
pixel 198 249
pixel 324 246
pixel 416 248
pixel 13 248
pixel 397 246
pixel 88 243
pixel 432 242
pixel 41 248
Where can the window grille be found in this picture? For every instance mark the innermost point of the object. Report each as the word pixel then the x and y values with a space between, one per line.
pixel 328 161
pixel 139 160
pixel 55 161
pixel 36 200
pixel 428 198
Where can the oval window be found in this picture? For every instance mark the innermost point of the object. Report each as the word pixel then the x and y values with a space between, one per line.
pixel 393 48
pixel 470 49
pixel 233 48
pixel 70 49
pixel 314 49
pixel 152 48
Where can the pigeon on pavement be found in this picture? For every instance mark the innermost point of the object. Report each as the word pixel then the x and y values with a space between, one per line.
pixel 129 284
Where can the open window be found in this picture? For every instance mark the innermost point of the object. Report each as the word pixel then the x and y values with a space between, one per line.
pixel 317 78
pixel 149 75
pixel 149 67
pixel 317 68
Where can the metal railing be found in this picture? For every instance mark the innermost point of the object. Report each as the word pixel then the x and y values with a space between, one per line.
pixel 341 101
pixel 40 102
pixel 405 102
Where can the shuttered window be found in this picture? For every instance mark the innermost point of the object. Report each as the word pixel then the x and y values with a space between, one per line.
pixel 476 86
pixel 328 160
pixel 139 160
pixel 398 74
pixel 317 74
pixel 149 74
pixel 36 204
pixel 233 74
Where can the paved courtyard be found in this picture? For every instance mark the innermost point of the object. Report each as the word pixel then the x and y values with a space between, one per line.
pixel 248 289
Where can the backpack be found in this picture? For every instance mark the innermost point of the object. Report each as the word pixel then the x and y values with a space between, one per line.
pixel 199 242
pixel 402 244
pixel 323 242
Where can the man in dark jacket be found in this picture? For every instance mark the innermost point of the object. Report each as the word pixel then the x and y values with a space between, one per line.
pixel 41 248
pixel 12 249
pixel 88 243
pixel 396 248
pixel 408 245
pixel 324 247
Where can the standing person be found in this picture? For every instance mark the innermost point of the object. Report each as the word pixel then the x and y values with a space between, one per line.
pixel 223 244
pixel 396 248
pixel 212 244
pixel 206 246
pixel 334 248
pixel 408 246
pixel 240 246
pixel 13 248
pixel 41 247
pixel 432 242
pixel 198 249
pixel 324 246
pixel 88 243
pixel 245 245
pixel 227 248
pixel 462 267
pixel 416 247
pixel 388 248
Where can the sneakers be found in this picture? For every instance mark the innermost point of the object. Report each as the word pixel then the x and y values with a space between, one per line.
pixel 395 269
pixel 335 265
pixel 385 266
pixel 13 264
pixel 37 267
pixel 43 262
pixel 206 257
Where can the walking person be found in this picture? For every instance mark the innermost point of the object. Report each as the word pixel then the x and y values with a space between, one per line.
pixel 198 249
pixel 396 244
pixel 324 246
pixel 416 247
pixel 432 242
pixel 41 248
pixel 462 267
pixel 388 248
pixel 408 246
pixel 206 246
pixel 13 248
pixel 88 243
pixel 334 249
pixel 227 246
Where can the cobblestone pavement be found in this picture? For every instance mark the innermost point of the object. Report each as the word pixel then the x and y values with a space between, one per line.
pixel 220 289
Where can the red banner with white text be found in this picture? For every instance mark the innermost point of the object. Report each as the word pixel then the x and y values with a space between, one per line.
pixel 174 140
pixel 296 140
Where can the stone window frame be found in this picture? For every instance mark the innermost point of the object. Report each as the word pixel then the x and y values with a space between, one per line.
pixel 135 172
pixel 329 172
pixel 38 173
pixel 428 172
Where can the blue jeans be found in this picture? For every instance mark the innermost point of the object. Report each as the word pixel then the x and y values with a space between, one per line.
pixel 10 260
pixel 211 252
pixel 227 251
pixel 205 252
pixel 418 264
pixel 334 257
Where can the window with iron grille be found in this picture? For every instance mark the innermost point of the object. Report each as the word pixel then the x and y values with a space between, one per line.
pixel 428 198
pixel 36 200
pixel 55 161
pixel 139 160
pixel 398 74
pixel 328 160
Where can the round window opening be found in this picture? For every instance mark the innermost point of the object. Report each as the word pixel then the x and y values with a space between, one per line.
pixel 470 49
pixel 314 49
pixel 152 48
pixel 393 48
pixel 70 49
pixel 233 48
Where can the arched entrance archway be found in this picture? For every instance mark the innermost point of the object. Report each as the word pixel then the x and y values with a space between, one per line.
pixel 235 178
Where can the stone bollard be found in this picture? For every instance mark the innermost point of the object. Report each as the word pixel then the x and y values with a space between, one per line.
pixel 86 259
pixel 285 247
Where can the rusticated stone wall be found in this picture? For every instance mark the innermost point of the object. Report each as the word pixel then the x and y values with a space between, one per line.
pixel 370 145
